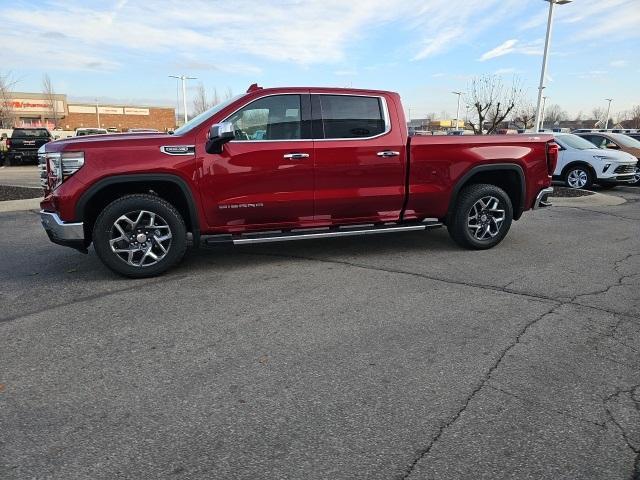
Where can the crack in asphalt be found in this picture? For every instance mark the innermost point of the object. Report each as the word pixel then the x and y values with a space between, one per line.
pixel 88 298
pixel 621 278
pixel 623 432
pixel 421 453
pixel 482 286
pixel 622 217
pixel 538 404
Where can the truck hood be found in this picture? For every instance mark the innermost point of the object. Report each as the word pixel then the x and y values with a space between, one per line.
pixel 116 140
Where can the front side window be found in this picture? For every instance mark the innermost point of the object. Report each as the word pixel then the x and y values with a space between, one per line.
pixel 277 117
pixel 348 116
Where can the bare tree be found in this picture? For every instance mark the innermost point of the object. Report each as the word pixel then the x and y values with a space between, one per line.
pixel 525 116
pixel 491 102
pixel 50 96
pixel 7 84
pixel 216 97
pixel 634 116
pixel 228 93
pixel 200 102
pixel 555 114
pixel 598 115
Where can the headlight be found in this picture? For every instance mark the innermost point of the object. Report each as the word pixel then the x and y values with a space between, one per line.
pixel 602 157
pixel 56 167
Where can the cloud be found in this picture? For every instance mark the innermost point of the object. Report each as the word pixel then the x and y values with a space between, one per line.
pixel 619 63
pixel 503 49
pixel 452 23
pixel 513 46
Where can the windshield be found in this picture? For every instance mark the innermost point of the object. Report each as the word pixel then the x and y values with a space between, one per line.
pixel 569 140
pixel 625 140
pixel 204 116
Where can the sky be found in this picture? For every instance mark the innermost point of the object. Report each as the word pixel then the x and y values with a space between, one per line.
pixel 123 51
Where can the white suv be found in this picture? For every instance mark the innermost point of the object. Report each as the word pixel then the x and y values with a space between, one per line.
pixel 581 164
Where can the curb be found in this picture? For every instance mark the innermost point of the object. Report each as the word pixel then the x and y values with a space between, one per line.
pixel 20 205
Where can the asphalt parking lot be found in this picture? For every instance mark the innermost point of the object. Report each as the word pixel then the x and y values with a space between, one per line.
pixel 387 357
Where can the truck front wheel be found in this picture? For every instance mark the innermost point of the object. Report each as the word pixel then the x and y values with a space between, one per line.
pixel 482 217
pixel 140 236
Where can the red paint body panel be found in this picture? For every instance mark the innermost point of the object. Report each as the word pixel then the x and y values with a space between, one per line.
pixel 439 162
pixel 250 186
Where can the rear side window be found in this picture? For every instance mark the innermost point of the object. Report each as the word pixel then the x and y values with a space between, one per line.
pixel 348 116
pixel 277 117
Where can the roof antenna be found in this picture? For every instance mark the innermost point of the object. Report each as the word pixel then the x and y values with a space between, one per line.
pixel 253 88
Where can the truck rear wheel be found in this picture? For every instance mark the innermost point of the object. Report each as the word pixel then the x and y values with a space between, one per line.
pixel 140 236
pixel 482 217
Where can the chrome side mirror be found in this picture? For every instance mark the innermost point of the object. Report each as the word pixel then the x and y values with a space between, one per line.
pixel 219 134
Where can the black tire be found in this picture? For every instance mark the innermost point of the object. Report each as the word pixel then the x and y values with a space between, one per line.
pixel 105 229
pixel 578 170
pixel 458 224
pixel 8 161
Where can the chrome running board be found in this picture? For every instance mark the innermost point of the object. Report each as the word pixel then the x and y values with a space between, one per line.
pixel 311 234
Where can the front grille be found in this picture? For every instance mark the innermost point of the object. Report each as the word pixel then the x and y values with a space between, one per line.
pixel 622 169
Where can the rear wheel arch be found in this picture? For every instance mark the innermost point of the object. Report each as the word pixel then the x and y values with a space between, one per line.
pixel 508 176
pixel 171 188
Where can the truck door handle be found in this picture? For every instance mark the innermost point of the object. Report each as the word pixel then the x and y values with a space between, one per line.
pixel 295 156
pixel 388 153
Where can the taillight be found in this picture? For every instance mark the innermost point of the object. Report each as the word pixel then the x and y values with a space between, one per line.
pixel 552 156
pixel 8 143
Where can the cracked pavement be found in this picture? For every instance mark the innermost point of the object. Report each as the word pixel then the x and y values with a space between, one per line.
pixel 389 357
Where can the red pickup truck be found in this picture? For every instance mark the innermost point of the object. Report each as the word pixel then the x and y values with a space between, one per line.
pixel 285 164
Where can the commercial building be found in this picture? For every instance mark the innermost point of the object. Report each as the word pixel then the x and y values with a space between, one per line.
pixel 41 110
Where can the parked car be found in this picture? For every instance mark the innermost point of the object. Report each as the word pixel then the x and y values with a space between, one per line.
pixel 581 163
pixel 617 141
pixel 3 147
pixel 343 170
pixel 80 132
pixel 23 145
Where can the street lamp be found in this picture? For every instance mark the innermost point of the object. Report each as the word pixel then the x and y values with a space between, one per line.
pixel 606 124
pixel 547 42
pixel 459 94
pixel 544 102
pixel 184 78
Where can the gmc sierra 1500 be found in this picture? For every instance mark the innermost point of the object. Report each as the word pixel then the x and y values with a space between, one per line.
pixel 285 164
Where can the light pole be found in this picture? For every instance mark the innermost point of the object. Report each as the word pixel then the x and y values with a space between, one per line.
pixel 459 94
pixel 606 123
pixel 184 79
pixel 547 43
pixel 98 112
pixel 544 102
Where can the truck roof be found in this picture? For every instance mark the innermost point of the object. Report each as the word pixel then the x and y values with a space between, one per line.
pixel 359 91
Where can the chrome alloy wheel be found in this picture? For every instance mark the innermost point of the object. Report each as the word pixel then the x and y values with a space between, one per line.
pixel 636 176
pixel 485 218
pixel 140 238
pixel 577 178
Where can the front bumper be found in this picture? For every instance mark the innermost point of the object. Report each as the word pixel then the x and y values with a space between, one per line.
pixel 542 198
pixel 63 233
